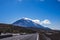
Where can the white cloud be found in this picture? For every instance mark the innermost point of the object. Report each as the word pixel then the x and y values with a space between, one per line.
pixel 46 21
pixel 36 21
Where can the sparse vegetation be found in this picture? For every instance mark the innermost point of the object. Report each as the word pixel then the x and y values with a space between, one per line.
pixel 14 29
pixel 52 34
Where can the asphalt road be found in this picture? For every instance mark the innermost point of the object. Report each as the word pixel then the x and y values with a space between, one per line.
pixel 23 37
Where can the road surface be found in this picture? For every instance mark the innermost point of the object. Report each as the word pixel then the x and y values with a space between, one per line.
pixel 23 37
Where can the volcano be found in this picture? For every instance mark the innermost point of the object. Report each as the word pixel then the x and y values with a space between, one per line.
pixel 27 22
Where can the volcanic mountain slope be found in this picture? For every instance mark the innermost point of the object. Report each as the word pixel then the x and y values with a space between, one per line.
pixel 27 22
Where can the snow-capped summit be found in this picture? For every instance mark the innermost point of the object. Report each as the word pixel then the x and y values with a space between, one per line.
pixel 26 18
pixel 33 20
pixel 27 22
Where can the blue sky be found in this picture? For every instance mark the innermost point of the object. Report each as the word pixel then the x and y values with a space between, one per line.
pixel 12 10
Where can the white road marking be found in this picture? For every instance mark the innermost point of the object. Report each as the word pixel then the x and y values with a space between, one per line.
pixel 37 36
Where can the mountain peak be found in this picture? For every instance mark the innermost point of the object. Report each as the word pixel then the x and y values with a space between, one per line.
pixel 27 22
pixel 33 20
pixel 24 18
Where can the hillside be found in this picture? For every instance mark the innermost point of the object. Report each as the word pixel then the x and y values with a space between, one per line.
pixel 51 34
pixel 13 29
